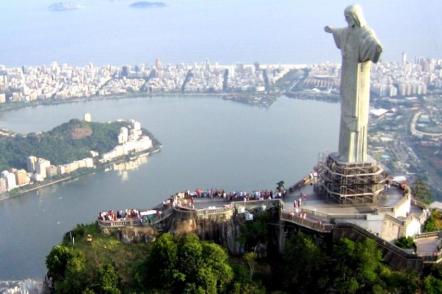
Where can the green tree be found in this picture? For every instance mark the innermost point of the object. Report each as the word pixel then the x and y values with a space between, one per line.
pixel 256 231
pixel 242 283
pixel 433 281
pixel 357 266
pixel 57 261
pixel 433 223
pixel 305 265
pixel 432 285
pixel 159 269
pixel 430 225
pixel 250 258
pixel 190 255
pixel 186 265
pixel 280 186
pixel 398 281
pixel 108 280
pixel 215 258
pixel 70 273
pixel 248 288
pixel 405 242
pixel 76 277
pixel 421 191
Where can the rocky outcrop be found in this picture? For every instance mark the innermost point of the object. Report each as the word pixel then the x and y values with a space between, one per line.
pixel 222 227
pixel 132 234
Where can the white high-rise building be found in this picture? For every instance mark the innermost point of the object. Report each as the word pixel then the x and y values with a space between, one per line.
pixel 136 125
pixel 3 186
pixel 87 117
pixel 404 58
pixel 10 180
pixel 41 166
pixel 123 136
pixel 31 164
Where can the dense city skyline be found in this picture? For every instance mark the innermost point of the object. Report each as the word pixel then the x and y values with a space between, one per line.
pixel 65 81
pixel 110 32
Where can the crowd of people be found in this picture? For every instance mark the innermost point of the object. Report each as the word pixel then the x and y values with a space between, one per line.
pixel 300 214
pixel 187 200
pixel 237 196
pixel 297 203
pixel 112 215
pixel 147 216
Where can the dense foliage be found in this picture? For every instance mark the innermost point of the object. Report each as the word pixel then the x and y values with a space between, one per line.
pixel 421 191
pixel 167 265
pixel 66 143
pixel 185 264
pixel 101 265
pixel 349 267
pixel 433 281
pixel 434 222
pixel 256 232
pixel 405 242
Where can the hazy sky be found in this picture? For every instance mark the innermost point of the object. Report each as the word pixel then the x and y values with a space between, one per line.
pixel 227 31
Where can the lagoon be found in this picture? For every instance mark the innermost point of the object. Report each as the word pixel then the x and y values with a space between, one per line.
pixel 207 142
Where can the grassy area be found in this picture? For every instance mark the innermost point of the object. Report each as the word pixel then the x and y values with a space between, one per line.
pixel 434 222
pixel 104 249
pixel 437 219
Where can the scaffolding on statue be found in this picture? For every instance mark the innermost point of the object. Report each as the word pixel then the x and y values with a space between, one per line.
pixel 351 183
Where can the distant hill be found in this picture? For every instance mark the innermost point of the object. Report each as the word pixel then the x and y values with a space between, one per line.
pixel 68 142
pixel 146 4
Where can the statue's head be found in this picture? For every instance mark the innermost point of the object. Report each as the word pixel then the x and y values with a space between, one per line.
pixel 354 17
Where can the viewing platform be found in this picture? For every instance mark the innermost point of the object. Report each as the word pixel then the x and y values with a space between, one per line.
pixel 394 215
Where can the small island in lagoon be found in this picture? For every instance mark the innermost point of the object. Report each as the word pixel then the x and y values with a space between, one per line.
pixel 64 6
pixel 77 147
pixel 147 4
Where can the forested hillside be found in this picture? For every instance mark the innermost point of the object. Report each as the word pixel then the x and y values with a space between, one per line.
pixel 68 142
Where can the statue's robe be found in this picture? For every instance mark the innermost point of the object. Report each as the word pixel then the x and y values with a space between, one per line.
pixel 359 47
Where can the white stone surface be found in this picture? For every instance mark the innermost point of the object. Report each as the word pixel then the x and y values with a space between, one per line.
pixel 359 48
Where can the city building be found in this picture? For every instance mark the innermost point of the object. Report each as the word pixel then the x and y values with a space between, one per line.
pixel 10 180
pixel 3 185
pixel 41 166
pixel 22 177
pixel 87 117
pixel 51 171
pixel 123 136
pixel 135 143
pixel 61 170
pixel 31 164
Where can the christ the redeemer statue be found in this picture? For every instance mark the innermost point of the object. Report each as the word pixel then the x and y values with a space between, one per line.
pixel 359 47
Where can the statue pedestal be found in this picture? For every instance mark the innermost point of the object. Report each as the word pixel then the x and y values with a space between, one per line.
pixel 351 183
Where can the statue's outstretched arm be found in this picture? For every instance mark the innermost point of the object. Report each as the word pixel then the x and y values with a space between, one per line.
pixel 337 34
pixel 328 29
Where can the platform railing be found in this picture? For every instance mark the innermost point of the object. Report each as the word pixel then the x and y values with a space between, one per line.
pixel 120 223
pixel 305 222
pixel 428 234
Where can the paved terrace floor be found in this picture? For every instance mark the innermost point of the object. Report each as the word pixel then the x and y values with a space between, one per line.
pixel 320 203
pixel 427 246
